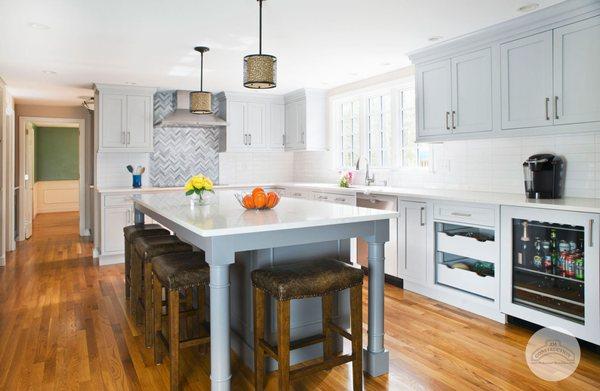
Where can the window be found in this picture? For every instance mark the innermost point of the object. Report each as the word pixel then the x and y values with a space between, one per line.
pixel 349 114
pixel 379 124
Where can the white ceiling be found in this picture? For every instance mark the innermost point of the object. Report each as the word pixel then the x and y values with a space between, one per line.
pixel 318 43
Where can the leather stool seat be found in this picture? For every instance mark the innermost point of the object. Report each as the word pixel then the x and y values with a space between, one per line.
pixel 152 246
pixel 179 271
pixel 306 279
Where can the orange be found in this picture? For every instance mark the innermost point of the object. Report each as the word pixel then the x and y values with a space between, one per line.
pixel 272 199
pixel 260 199
pixel 248 201
pixel 257 190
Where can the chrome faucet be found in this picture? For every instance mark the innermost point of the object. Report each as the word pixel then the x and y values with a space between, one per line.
pixel 369 176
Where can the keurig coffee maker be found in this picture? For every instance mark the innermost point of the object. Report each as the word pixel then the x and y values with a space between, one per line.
pixel 543 176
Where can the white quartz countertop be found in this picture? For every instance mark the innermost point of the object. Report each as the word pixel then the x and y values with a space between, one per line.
pixel 225 216
pixel 591 205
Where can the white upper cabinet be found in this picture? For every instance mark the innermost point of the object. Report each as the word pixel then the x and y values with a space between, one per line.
pixel 123 118
pixel 433 86
pixel 305 120
pixel 472 92
pixel 277 127
pixel 250 120
pixel 577 72
pixel 526 77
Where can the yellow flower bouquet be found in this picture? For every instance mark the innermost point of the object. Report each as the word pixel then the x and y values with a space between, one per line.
pixel 197 186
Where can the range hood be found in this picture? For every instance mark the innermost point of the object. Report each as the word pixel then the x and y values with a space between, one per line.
pixel 182 116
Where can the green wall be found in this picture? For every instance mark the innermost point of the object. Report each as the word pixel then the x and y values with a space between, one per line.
pixel 56 154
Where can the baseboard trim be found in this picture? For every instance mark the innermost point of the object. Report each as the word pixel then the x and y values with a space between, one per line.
pixel 111 259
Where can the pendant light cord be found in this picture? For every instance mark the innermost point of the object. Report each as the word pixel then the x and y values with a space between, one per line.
pixel 201 70
pixel 260 27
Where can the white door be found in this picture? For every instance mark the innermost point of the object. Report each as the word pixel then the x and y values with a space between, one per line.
pixel 115 219
pixel 256 127
pixel 139 129
pixel 526 81
pixel 29 180
pixel 472 92
pixel 302 124
pixel 277 126
pixel 548 294
pixel 434 103
pixel 236 134
pixel 577 72
pixel 412 234
pixel 113 120
pixel 292 111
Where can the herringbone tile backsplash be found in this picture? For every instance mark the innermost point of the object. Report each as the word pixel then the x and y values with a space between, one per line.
pixel 181 152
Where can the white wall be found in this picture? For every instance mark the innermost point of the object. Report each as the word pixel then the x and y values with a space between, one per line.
pixel 55 196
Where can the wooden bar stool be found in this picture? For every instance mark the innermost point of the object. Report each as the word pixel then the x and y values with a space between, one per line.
pixel 176 272
pixel 147 248
pixel 131 233
pixel 297 281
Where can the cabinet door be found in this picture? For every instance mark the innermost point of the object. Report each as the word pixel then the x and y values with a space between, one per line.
pixel 115 219
pixel 526 81
pixel 472 92
pixel 277 126
pixel 301 124
pixel 433 99
pixel 139 128
pixel 256 127
pixel 291 125
pixel 236 133
pixel 577 72
pixel 113 124
pixel 412 234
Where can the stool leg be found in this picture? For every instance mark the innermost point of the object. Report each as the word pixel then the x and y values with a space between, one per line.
pixel 157 293
pixel 259 332
pixel 329 342
pixel 148 309
pixel 127 269
pixel 356 331
pixel 173 310
pixel 283 344
pixel 134 280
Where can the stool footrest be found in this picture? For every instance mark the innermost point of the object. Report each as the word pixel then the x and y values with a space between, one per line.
pixel 299 343
pixel 320 366
pixel 340 331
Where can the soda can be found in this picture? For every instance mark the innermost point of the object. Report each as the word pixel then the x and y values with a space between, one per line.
pixel 563 246
pixel 572 246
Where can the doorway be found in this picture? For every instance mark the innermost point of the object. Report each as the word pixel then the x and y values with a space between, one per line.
pixel 51 170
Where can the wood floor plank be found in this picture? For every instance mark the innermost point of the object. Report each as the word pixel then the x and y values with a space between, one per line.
pixel 64 324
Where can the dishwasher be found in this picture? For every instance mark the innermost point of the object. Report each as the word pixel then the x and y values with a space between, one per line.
pixel 382 202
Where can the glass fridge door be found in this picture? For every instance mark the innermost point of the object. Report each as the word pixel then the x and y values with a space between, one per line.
pixel 548 268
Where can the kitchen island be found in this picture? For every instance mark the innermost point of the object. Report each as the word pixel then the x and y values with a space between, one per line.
pixel 296 229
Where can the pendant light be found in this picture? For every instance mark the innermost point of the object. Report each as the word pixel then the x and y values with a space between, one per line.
pixel 260 70
pixel 201 101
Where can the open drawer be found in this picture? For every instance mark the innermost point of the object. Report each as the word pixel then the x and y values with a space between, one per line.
pixel 466 280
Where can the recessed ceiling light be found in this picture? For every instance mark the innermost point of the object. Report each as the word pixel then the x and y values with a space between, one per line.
pixel 47 72
pixel 38 26
pixel 528 7
pixel 435 38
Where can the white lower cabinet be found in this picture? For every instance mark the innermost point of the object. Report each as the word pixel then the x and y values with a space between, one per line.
pixel 114 220
pixel 412 241
pixel 550 271
pixel 336 198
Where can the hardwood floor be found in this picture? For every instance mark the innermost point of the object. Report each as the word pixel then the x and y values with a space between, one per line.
pixel 64 325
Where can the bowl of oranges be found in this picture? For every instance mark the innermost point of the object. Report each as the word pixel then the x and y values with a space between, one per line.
pixel 258 199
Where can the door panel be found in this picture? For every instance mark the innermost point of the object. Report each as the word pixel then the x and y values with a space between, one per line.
pixel 434 99
pixel 472 92
pixel 526 81
pixel 255 124
pixel 113 120
pixel 291 125
pixel 277 126
pixel 138 121
pixel 235 125
pixel 115 219
pixel 412 234
pixel 576 72
pixel 29 181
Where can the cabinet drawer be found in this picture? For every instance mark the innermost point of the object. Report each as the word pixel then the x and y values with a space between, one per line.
pixel 467 281
pixel 465 214
pixel 335 198
pixel 296 193
pixel 118 200
pixel 467 247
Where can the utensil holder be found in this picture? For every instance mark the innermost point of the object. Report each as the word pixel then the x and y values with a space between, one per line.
pixel 137 181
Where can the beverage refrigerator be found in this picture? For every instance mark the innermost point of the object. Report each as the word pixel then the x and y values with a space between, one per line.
pixel 550 269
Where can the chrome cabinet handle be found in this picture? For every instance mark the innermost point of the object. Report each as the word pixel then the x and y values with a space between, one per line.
pixel 283 139
pixel 245 139
pixel 128 137
pixel 547 113
pixel 250 139
pixel 422 212
pixel 340 199
pixel 453 117
pixel 591 232
pixel 556 107
pixel 459 214
pixel 297 194
pixel 447 126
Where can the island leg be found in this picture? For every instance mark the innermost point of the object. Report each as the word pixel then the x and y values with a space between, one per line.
pixel 376 359
pixel 138 217
pixel 220 356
